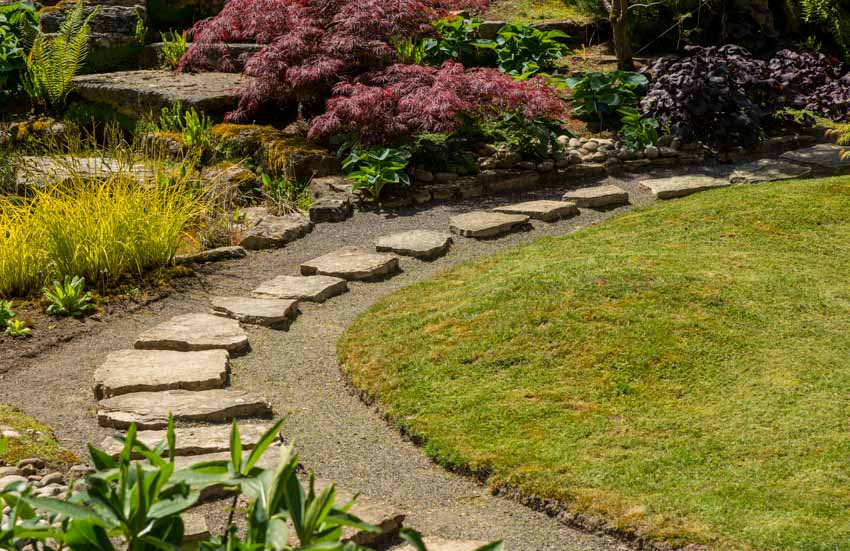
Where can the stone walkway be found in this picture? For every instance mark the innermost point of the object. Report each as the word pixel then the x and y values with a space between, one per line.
pixel 232 364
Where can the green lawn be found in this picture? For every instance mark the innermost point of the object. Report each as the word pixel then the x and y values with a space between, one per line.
pixel 36 440
pixel 533 11
pixel 682 371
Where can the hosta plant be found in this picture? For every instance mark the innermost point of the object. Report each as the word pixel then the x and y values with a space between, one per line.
pixel 524 51
pixel 598 96
pixel 374 169
pixel 69 298
pixel 458 39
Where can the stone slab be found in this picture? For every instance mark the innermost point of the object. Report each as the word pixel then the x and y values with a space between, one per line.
pixel 42 171
pixel 548 211
pixel 194 332
pixel 273 232
pixel 149 410
pixel 682 186
pixel 137 93
pixel 827 157
pixel 194 440
pixel 310 288
pixel 416 243
pixel 268 312
pixel 483 224
pixel 440 544
pixel 212 255
pixel 598 197
pixel 352 264
pixel 768 170
pixel 128 371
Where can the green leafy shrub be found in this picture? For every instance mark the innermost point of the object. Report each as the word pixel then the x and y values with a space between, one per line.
pixel 54 62
pixel 374 169
pixel 17 329
pixel 285 194
pixel 533 139
pixel 459 39
pixel 637 131
pixel 597 96
pixel 6 313
pixel 69 298
pixel 18 26
pixel 524 51
pixel 174 46
pixel 195 129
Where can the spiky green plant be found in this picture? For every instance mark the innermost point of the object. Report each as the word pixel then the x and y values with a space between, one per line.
pixel 54 61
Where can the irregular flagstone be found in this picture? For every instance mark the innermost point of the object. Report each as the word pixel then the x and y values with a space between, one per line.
pixel 195 527
pixel 598 197
pixel 312 288
pixel 681 186
pixel 194 440
pixel 482 224
pixel 823 156
pixel 273 232
pixel 416 243
pixel 548 211
pixel 149 410
pixel 41 171
pixel 212 255
pixel 768 170
pixel 440 544
pixel 352 264
pixel 129 371
pixel 195 332
pixel 268 312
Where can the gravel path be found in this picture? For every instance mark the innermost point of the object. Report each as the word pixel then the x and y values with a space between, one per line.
pixel 335 433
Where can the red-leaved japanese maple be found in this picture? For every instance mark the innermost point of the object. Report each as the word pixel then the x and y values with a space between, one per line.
pixel 404 100
pixel 311 45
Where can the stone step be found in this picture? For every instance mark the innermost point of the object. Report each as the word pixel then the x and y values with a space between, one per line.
pixel 308 288
pixel 268 312
pixel 768 170
pixel 423 244
pixel 547 211
pixel 597 197
pixel 193 441
pixel 195 332
pixel 682 186
pixel 273 232
pixel 825 158
pixel 352 264
pixel 129 371
pixel 149 410
pixel 482 224
pixel 139 93
pixel 440 544
pixel 42 171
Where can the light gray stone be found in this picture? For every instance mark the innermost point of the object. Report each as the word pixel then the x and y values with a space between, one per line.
pixel 483 224
pixel 416 243
pixel 42 171
pixel 768 170
pixel 9 471
pixel 212 255
pixel 440 544
pixel 823 156
pixel 598 197
pixel 352 264
pixel 311 288
pixel 268 312
pixel 11 479
pixel 195 332
pixel 194 440
pixel 273 232
pixel 681 186
pixel 128 371
pixel 548 211
pixel 149 410
pixel 195 527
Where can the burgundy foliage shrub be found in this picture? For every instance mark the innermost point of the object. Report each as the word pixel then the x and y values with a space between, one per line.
pixel 311 45
pixel 403 100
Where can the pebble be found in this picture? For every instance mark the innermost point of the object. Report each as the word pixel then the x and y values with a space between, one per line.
pixel 590 146
pixel 33 461
pixel 9 471
pixel 52 478
pixel 574 143
pixel 7 480
pixel 651 152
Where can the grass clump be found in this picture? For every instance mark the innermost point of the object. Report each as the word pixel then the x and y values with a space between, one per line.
pixel 680 371
pixel 37 440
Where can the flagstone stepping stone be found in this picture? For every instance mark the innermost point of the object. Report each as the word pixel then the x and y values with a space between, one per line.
pixel 195 528
pixel 681 186
pixel 548 211
pixel 194 440
pixel 416 243
pixel 598 197
pixel 212 255
pixel 768 170
pixel 440 544
pixel 194 332
pixel 273 232
pixel 352 264
pixel 483 224
pixel 129 371
pixel 41 171
pixel 268 312
pixel 823 156
pixel 149 410
pixel 311 288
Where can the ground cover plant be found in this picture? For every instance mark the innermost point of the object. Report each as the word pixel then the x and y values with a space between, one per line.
pixel 679 371
pixel 36 440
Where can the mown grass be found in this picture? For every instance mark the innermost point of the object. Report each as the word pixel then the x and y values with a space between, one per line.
pixel 37 440
pixel 681 371
pixel 534 11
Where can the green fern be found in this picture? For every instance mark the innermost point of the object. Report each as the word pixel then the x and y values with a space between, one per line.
pixel 830 14
pixel 53 62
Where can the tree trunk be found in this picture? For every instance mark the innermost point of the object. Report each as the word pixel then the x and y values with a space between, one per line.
pixel 622 34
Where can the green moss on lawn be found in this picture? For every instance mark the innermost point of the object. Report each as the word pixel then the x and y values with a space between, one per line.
pixel 37 440
pixel 681 371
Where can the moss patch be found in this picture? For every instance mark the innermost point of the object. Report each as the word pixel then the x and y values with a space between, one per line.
pixel 37 440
